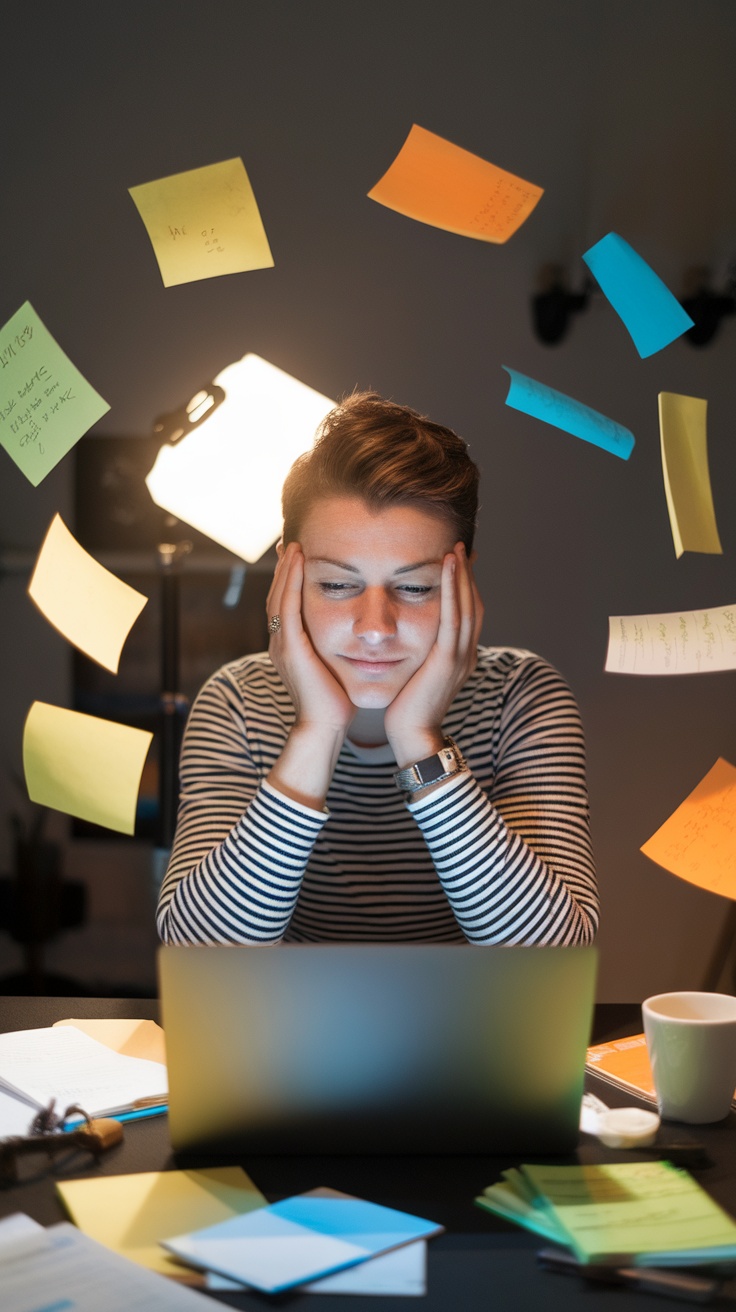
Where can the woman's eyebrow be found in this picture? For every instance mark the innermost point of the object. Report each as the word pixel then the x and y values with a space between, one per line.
pixel 351 569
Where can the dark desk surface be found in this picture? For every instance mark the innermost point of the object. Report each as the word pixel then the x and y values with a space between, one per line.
pixel 480 1263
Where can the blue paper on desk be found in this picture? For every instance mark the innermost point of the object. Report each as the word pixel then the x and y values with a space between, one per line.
pixel 298 1240
pixel 552 407
pixel 652 315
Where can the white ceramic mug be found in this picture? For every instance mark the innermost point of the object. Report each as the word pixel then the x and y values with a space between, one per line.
pixel 691 1039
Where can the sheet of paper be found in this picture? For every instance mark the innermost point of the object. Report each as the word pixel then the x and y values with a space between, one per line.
pixel 684 445
pixel 64 1271
pixel 678 642
pixel 65 1064
pixel 698 842
pixel 46 405
pixel 225 478
pixel 15 1115
pixel 647 308
pixel 625 1062
pixel 650 1211
pixel 299 1239
pixel 89 606
pixel 134 1038
pixel 203 223
pixel 448 187
pixel 552 407
pixel 83 765
pixel 133 1213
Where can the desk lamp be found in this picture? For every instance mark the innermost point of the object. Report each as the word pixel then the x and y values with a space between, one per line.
pixel 224 459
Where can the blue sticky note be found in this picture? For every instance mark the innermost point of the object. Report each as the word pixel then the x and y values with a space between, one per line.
pixel 552 407
pixel 652 315
pixel 299 1240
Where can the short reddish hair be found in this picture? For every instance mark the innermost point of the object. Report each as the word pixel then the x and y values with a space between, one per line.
pixel 388 455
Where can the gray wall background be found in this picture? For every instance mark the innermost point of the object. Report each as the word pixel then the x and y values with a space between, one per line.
pixel 624 113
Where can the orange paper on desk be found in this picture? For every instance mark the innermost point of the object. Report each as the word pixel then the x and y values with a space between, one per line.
pixel 625 1063
pixel 698 841
pixel 448 187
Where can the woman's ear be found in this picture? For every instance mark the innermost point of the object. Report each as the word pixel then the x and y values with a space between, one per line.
pixel 280 548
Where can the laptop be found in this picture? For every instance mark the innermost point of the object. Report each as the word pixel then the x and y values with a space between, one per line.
pixel 375 1048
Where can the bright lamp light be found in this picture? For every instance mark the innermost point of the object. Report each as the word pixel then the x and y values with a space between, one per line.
pixel 224 478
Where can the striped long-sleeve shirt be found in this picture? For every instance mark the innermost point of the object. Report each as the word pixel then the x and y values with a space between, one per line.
pixel 500 854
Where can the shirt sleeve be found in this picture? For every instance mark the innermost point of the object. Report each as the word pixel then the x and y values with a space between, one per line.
pixel 241 847
pixel 515 859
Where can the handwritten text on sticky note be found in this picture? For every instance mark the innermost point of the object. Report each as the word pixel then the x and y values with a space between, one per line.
pixel 679 642
pixel 46 405
pixel 203 223
pixel 552 407
pixel 444 185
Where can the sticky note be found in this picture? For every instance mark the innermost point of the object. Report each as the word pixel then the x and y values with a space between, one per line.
pixel 203 223
pixel 448 187
pixel 85 766
pixel 133 1213
pixel 678 642
pixel 697 842
pixel 46 405
pixel 552 407
pixel 91 607
pixel 652 315
pixel 684 445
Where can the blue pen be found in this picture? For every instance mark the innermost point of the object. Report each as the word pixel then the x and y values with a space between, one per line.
pixel 136 1114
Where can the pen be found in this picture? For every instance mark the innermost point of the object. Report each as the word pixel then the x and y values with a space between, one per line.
pixel 136 1114
pixel 649 1280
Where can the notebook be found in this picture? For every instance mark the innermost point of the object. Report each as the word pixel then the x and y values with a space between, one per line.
pixel 376 1048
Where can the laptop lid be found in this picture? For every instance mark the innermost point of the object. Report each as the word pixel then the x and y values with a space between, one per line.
pixel 376 1048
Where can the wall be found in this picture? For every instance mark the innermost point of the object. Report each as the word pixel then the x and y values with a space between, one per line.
pixel 625 114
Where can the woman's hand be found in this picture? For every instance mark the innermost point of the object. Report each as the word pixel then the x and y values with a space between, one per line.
pixel 413 721
pixel 317 696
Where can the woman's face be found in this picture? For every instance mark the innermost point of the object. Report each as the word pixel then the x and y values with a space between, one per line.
pixel 371 597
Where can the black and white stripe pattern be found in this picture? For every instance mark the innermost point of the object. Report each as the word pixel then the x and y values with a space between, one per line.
pixel 499 855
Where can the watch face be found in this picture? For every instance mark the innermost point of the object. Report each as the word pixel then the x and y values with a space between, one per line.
pixel 434 768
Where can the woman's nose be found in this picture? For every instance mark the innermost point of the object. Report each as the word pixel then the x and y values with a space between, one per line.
pixel 374 618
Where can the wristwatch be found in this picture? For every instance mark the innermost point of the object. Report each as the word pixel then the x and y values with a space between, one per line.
pixel 448 761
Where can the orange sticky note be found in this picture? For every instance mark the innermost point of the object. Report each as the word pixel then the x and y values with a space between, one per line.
pixel 698 842
pixel 448 187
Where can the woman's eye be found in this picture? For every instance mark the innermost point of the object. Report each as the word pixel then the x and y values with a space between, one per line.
pixel 416 589
pixel 336 588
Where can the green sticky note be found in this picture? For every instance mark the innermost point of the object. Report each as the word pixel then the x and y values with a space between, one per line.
pixel 46 405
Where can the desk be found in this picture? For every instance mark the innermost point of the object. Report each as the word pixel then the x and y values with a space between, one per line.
pixel 480 1264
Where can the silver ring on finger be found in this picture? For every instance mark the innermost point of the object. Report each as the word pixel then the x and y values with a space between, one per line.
pixel 274 624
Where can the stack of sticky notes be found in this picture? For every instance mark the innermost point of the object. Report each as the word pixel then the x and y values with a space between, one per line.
pixel 299 1240
pixel 644 1213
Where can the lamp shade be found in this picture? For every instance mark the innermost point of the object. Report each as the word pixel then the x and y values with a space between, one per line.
pixel 225 477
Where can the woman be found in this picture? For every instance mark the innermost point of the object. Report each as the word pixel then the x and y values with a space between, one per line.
pixel 376 775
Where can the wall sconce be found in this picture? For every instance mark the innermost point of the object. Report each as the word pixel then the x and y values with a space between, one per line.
pixel 706 308
pixel 554 305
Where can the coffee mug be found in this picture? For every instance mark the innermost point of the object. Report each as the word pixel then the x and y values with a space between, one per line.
pixel 691 1039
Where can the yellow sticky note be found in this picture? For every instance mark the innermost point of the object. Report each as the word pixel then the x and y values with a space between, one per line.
pixel 85 766
pixel 133 1038
pixel 46 405
pixel 698 841
pixel 203 223
pixel 91 607
pixel 133 1213
pixel 448 187
pixel 683 439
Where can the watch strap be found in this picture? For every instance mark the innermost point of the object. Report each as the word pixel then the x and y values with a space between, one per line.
pixel 433 769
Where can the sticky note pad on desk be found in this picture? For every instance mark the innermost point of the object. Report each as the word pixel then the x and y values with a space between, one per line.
pixel 299 1239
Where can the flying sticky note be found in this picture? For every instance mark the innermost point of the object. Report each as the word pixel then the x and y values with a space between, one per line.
pixel 133 1213
pixel 45 403
pixel 542 402
pixel 698 842
pixel 679 642
pixel 448 187
pixel 203 223
pixel 652 315
pixel 683 440
pixel 85 766
pixel 225 477
pixel 83 600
